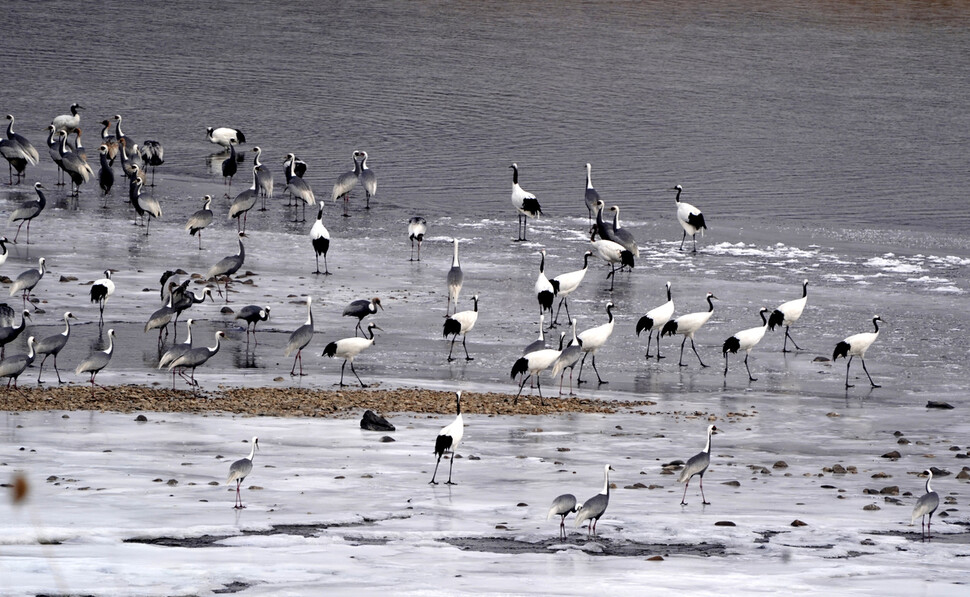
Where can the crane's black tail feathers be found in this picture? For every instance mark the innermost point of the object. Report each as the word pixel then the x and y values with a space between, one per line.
pixel 521 366
pixel 732 344
pixel 841 350
pixel 452 327
pixel 98 293
pixel 645 323
pixel 330 350
pixel 442 444
pixel 670 328
pixel 776 319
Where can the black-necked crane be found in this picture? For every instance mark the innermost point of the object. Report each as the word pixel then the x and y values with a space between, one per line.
pixel 197 357
pixel 691 219
pixel 13 366
pixel 745 340
pixel 455 279
pixel 687 325
pixel 299 338
pixel 252 315
pixel 368 179
pixel 240 469
pixel 566 284
pixel 360 309
pixel 563 506
pixel 787 314
pixel 611 253
pixel 417 228
pixel 524 202
pixel 447 441
pixel 320 240
pixel 654 320
pixel 856 345
pixel 97 360
pixel 926 505
pixel 348 348
pixel 28 280
pixel 592 340
pixel 29 210
pixel 200 219
pixel 533 364
pixel 101 289
pixel 461 322
pixel 591 195
pixel 68 122
pixel 697 465
pixel 593 508
pixel 224 136
pixel 106 176
pixel 227 266
pixel 570 355
pixel 544 289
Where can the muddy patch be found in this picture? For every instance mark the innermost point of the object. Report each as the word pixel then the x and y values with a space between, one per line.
pixel 600 546
pixel 962 538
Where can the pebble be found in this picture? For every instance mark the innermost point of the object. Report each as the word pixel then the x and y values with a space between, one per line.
pixel 724 523
pixel 799 523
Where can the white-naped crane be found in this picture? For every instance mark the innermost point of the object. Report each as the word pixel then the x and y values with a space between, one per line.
pixel 240 469
pixel 856 345
pixel 299 338
pixel 455 280
pixel 524 202
pixel 200 219
pixel 360 309
pixel 566 284
pixel 691 219
pixel 320 240
pixel 562 506
pixel 654 321
pixel 29 210
pixel 101 289
pixel 242 204
pixel 264 178
pixel 196 357
pixel 177 350
pixel 926 505
pixel 591 195
pixel 787 314
pixel 417 228
pixel 144 206
pixel 622 236
pixel 345 184
pixel 544 289
pixel 298 188
pixel 592 340
pixel 348 349
pixel 461 322
pixel 74 165
pixel 224 136
pixel 697 466
pixel 745 340
pixel 533 364
pixel 687 325
pixel 447 441
pixel 227 266
pixel 368 179
pixel 10 332
pixel 53 345
pixel 570 355
pixel 28 280
pixel 18 151
pixel 97 360
pixel 593 508
pixel 12 367
pixel 153 154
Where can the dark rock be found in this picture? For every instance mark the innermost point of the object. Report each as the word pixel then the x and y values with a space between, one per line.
pixel 936 404
pixel 963 475
pixel 780 464
pixel 838 469
pixel 894 455
pixel 798 523
pixel 724 523
pixel 940 472
pixel 655 559
pixel 388 439
pixel 891 490
pixel 141 419
pixel 821 360
pixel 374 422
pixel 226 311
pixel 732 483
pixel 871 507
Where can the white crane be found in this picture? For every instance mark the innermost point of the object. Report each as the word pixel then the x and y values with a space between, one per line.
pixel 592 340
pixel 348 348
pixel 461 323
pixel 787 314
pixel 447 441
pixel 524 202
pixel 856 345
pixel 417 228
pixel 544 289
pixel 687 325
pixel 691 219
pixel 565 284
pixel 745 340
pixel 224 136
pixel 320 239
pixel 534 363
pixel 611 253
pixel 654 320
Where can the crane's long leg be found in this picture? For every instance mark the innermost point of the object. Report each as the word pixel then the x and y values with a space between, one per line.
pixel 683 498
pixel 342 373
pixel 681 362
pixel 750 377
pixel 55 369
pixel 579 378
pixel 703 499
pixel 521 385
pixel 451 466
pixel 450 350
pixel 354 371
pixel 432 481
pixel 695 352
pixel 874 384
pixel 598 378
pixel 788 337
pixel 683 238
pixel 847 365
pixel 465 346
pixel 41 368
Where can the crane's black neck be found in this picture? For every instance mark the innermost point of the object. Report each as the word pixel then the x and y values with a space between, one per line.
pixel 458 405
pixel 609 311
pixel 805 288
pixel 515 174
pixel 875 323
pixel 668 294
pixel 710 302
pixel 764 320
pixel 586 260
pixel 678 195
pixel 542 263
pixel 475 298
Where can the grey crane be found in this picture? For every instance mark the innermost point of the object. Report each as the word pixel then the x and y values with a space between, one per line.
pixel 593 508
pixel 926 505
pixel 697 465
pixel 417 228
pixel 264 178
pixel 29 279
pixel 241 205
pixel 240 469
pixel 320 239
pixel 163 316
pixel 122 138
pixel 455 279
pixel 293 167
pixel 29 210
pixel 177 350
pixel 227 266
pixel 368 179
pixel 346 183
pixel 13 366
pixel 9 333
pixel 297 187
pixel 563 506
pixel 153 154
pixel 540 342
pixel 74 165
pixel 196 357
pixel 300 337
pixel 54 151
pixel 348 349
pixel 101 289
pixel 360 309
pixel 52 346
pixel 144 205
pixel 622 236
pixel 253 314
pixel 200 219
pixel 568 358
pixel 184 299
pixel 447 441
pixel 18 151
pixel 97 360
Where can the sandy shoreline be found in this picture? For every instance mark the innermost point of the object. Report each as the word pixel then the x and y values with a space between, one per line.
pixel 296 402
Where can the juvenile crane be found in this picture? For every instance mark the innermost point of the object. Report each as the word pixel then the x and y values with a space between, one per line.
pixel 926 505
pixel 417 228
